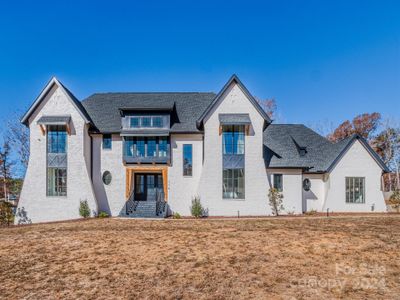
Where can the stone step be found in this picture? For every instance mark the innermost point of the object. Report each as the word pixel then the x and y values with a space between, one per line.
pixel 146 209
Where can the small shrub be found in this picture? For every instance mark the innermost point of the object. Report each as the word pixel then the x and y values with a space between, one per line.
pixel 176 216
pixel 311 212
pixel 103 214
pixel 394 200
pixel 84 210
pixel 196 209
pixel 275 201
pixel 6 214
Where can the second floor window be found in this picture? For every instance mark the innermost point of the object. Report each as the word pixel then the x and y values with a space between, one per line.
pixel 56 139
pixel 147 122
pixel 146 146
pixel 233 139
pixel 163 146
pixel 187 160
pixel 56 160
pixel 107 141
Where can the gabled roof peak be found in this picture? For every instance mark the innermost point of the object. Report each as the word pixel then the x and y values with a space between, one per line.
pixel 54 81
pixel 234 78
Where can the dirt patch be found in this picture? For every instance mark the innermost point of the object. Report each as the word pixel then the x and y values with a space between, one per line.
pixel 340 257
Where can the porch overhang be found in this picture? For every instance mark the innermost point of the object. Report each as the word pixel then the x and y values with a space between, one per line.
pixel 234 119
pixel 54 120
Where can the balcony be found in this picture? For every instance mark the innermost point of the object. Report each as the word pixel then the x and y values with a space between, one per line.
pixel 146 150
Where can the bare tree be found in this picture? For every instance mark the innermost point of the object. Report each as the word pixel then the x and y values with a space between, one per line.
pixel 322 127
pixel 6 165
pixel 387 145
pixel 18 135
pixel 268 105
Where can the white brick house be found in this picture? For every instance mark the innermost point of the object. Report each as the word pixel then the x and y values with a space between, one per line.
pixel 149 154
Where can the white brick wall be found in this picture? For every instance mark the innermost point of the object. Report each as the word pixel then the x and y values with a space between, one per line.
pixel 256 183
pixel 111 198
pixel 33 200
pixel 181 189
pixel 357 162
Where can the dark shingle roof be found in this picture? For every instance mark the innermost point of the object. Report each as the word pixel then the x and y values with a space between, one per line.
pixel 282 142
pixel 104 108
pixel 234 119
pixel 55 120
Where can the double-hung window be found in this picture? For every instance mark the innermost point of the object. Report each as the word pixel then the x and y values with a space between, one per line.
pixel 56 160
pixel 355 190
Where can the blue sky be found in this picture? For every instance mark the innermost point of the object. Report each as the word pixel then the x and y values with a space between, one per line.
pixel 321 60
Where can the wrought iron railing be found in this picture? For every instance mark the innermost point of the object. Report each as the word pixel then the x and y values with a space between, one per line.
pixel 160 203
pixel 131 203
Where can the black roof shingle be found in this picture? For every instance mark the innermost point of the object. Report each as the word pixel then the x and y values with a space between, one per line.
pixel 104 108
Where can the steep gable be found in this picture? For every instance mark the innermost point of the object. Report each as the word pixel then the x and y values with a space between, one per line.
pixel 233 80
pixel 55 82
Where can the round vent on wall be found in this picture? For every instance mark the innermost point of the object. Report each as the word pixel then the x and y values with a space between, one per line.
pixel 306 184
pixel 107 177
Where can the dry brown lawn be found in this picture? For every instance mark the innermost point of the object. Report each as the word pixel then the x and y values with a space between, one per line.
pixel 288 258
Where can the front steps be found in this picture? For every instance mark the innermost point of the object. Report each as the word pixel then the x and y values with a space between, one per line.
pixel 146 209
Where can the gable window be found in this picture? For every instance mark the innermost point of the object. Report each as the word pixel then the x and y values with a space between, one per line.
pixel 157 122
pixel 56 160
pixel 233 139
pixel 146 121
pixel 278 182
pixel 355 190
pixel 107 141
pixel 233 184
pixel 135 122
pixel 187 160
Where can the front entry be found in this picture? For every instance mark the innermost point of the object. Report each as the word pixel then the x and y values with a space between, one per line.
pixel 147 185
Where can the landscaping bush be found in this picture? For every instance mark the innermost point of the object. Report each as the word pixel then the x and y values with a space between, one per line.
pixel 84 210
pixel 197 209
pixel 275 201
pixel 103 214
pixel 6 214
pixel 176 216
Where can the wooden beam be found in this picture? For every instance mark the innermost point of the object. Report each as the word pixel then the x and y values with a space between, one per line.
pixel 68 129
pixel 130 171
pixel 42 129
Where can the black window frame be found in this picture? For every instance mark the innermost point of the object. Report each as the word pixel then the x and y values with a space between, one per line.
pixel 234 132
pixel 187 171
pixel 275 182
pixel 60 190
pixel 351 183
pixel 144 146
pixel 107 137
pixel 231 184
